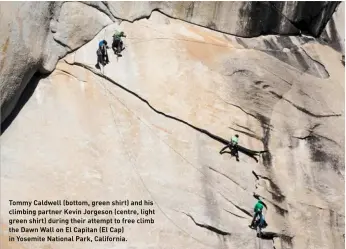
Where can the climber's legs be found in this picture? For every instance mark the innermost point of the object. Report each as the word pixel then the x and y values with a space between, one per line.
pixel 99 61
pixel 116 46
pixel 259 213
pixel 227 146
pixel 105 56
pixel 234 151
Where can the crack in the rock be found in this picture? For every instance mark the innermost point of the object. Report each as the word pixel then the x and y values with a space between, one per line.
pixel 62 44
pixel 247 134
pixel 240 208
pixel 94 5
pixel 244 150
pixel 227 177
pixel 313 135
pixel 281 14
pixel 303 109
pixel 234 214
pixel 245 128
pixel 273 235
pixel 239 107
pixel 317 62
pixel 303 29
pixel 68 73
pixel 242 71
pixel 109 9
pixel 321 208
pixel 271 72
pixel 210 228
pixel 277 195
pixel 209 27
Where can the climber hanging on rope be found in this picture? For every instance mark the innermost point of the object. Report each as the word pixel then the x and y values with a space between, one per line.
pixel 233 146
pixel 117 44
pixel 258 213
pixel 102 55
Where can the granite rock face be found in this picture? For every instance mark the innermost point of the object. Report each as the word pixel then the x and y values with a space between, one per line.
pixel 42 32
pixel 151 123
pixel 34 36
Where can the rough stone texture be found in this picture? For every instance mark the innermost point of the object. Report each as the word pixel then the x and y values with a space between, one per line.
pixel 245 19
pixel 34 35
pixel 90 134
pixel 40 38
pixel 334 33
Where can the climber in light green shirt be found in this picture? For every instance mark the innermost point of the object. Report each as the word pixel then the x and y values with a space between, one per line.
pixel 117 44
pixel 233 146
pixel 234 139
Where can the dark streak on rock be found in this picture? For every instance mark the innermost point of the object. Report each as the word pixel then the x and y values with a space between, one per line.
pixel 241 71
pixel 240 208
pixel 319 64
pixel 245 128
pixel 248 113
pixel 227 177
pixel 244 150
pixel 62 44
pixel 210 228
pixel 66 72
pixel 303 109
pixel 234 214
pixel 267 158
pixel 277 195
pixel 246 133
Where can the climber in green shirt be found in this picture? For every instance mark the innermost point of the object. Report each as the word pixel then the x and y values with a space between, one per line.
pixel 258 211
pixel 117 44
pixel 233 146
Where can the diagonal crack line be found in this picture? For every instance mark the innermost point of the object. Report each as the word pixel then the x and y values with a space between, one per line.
pixel 245 128
pixel 66 72
pixel 61 43
pixel 210 228
pixel 271 72
pixel 313 135
pixel 316 61
pixel 209 134
pixel 227 177
pixel 277 194
pixel 235 214
pixel 105 11
pixel 240 208
pixel 303 109
pixel 247 133
pixel 281 14
pixel 314 206
pixel 239 107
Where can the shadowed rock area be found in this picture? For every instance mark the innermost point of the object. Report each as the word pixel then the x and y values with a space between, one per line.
pixel 150 124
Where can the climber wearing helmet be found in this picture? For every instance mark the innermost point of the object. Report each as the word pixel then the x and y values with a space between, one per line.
pixel 258 212
pixel 102 55
pixel 117 44
pixel 233 146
